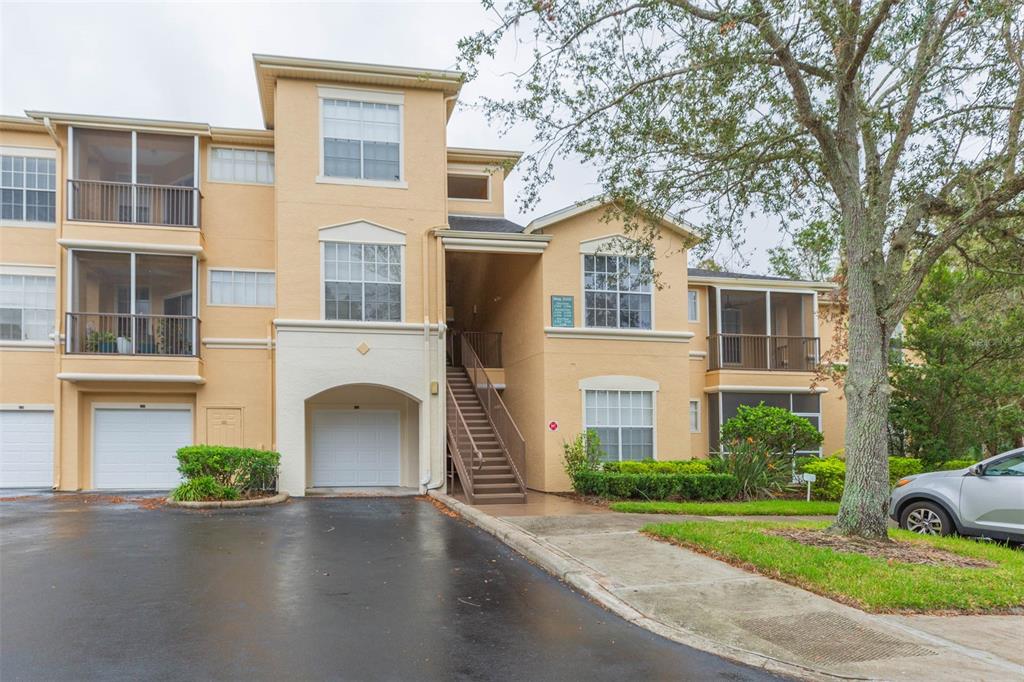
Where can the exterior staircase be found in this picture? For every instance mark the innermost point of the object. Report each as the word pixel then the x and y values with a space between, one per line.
pixel 478 456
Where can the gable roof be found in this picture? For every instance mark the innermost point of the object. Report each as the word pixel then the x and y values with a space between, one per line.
pixel 580 208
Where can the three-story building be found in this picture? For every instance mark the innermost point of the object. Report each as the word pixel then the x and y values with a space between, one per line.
pixel 343 287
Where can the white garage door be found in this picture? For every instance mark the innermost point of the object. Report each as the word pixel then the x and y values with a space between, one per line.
pixel 26 448
pixel 134 448
pixel 356 448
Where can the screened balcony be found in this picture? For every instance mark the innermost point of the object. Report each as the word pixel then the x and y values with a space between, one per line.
pixel 132 304
pixel 131 177
pixel 762 330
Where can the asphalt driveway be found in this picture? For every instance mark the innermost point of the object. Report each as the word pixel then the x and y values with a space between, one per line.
pixel 363 589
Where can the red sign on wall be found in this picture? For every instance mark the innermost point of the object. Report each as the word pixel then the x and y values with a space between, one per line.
pixel 552 425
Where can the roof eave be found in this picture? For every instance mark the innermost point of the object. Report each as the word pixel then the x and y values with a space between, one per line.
pixel 269 67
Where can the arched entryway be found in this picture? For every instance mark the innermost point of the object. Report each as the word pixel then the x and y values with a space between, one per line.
pixel 362 435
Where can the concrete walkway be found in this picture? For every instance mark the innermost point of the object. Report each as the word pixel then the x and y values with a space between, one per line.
pixel 710 605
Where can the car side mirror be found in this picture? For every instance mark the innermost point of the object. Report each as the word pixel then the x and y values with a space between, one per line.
pixel 976 470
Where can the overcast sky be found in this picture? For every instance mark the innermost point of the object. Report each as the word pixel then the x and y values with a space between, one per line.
pixel 193 62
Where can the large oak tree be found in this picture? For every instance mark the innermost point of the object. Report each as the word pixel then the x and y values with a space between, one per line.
pixel 896 122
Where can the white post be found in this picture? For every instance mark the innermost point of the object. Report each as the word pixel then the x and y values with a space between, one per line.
pixel 768 329
pixel 195 182
pixel 135 197
pixel 68 193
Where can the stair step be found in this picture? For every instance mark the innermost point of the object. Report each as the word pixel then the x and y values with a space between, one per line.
pixel 499 498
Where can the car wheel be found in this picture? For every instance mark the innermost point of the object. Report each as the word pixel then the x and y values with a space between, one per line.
pixel 926 518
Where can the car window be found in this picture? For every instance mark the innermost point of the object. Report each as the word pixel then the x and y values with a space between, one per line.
pixel 1009 466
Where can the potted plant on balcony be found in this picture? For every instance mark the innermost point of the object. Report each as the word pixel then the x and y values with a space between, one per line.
pixel 101 342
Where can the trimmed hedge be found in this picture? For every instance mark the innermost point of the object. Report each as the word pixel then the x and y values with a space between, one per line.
pixel 244 470
pixel 954 464
pixel 830 473
pixel 654 486
pixel 650 466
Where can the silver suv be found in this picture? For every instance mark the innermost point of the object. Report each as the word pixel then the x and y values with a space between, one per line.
pixel 986 500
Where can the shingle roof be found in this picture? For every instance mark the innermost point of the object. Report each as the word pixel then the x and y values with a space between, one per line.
pixel 482 224
pixel 701 272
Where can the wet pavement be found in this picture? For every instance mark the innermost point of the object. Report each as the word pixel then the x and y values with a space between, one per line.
pixel 361 589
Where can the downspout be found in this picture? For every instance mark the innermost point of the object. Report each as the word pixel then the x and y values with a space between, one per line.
pixel 441 328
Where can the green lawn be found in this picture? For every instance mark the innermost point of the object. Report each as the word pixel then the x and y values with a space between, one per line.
pixel 756 508
pixel 872 584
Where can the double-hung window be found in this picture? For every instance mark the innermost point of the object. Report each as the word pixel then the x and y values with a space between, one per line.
pixel 362 281
pixel 242 165
pixel 242 288
pixel 617 292
pixel 623 420
pixel 694 416
pixel 692 306
pixel 26 307
pixel 362 140
pixel 28 188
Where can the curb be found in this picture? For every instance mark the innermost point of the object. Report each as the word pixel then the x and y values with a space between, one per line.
pixel 593 584
pixel 230 504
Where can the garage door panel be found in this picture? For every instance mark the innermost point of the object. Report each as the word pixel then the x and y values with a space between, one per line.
pixel 26 448
pixel 355 448
pixel 134 449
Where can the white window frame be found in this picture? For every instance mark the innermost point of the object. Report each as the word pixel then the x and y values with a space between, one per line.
pixel 692 305
pixel 583 289
pixel 790 393
pixel 209 288
pixel 623 384
pixel 33 271
pixel 366 97
pixel 33 153
pixel 241 148
pixel 323 282
pixel 695 414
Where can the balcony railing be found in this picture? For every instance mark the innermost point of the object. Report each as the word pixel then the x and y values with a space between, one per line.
pixel 125 202
pixel 123 334
pixel 762 352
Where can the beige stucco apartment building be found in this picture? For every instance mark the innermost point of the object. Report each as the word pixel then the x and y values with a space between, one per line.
pixel 343 286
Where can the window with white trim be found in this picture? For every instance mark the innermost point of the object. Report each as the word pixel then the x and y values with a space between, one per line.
pixel 692 306
pixel 362 140
pixel 241 165
pixel 26 307
pixel 242 288
pixel 28 188
pixel 623 420
pixel 694 416
pixel 362 282
pixel 617 292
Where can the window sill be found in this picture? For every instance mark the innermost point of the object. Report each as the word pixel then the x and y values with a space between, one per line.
pixel 357 182
pixel 28 223
pixel 614 334
pixel 10 344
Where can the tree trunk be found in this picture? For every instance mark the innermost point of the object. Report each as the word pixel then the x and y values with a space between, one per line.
pixel 863 509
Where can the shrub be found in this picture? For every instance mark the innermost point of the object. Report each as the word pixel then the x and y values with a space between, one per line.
pixel 201 489
pixel 954 464
pixel 650 466
pixel 582 453
pixel 245 470
pixel 900 467
pixel 760 471
pixel 830 475
pixel 774 429
pixel 651 486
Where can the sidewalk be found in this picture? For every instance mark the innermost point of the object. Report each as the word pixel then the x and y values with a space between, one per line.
pixel 709 605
